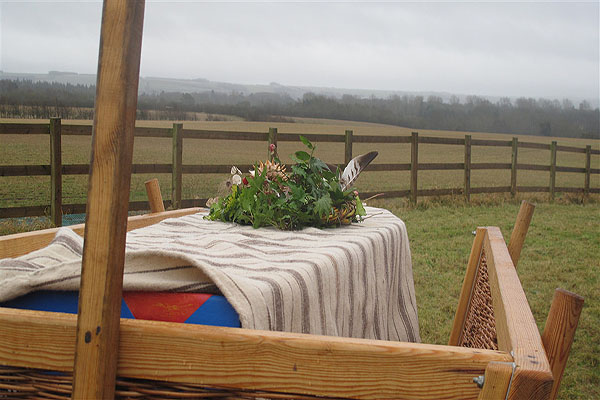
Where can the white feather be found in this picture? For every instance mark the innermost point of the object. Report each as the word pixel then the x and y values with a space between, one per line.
pixel 354 168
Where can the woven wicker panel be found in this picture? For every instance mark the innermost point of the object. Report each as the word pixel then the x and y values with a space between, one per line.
pixel 24 383
pixel 479 330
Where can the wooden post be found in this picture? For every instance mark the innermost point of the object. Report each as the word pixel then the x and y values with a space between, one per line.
pixel 154 196
pixel 414 166
pixel 348 147
pixel 272 139
pixel 55 172
pixel 588 164
pixel 468 168
pixel 559 332
pixel 97 335
pixel 517 237
pixel 552 169
pixel 513 167
pixel 176 175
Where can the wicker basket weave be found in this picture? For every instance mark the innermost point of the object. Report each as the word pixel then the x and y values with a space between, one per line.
pixel 26 383
pixel 479 329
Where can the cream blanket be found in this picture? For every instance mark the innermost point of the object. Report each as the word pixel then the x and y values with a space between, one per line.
pixel 354 281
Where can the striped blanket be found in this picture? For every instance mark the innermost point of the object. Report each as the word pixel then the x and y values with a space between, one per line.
pixel 354 281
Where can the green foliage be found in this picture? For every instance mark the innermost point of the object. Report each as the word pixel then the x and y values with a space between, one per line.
pixel 309 196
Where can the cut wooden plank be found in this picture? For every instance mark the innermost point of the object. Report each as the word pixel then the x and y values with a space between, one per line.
pixel 154 196
pixel 559 332
pixel 19 244
pixel 496 381
pixel 262 360
pixel 517 237
pixel 100 293
pixel 465 294
pixel 515 326
pixel 414 166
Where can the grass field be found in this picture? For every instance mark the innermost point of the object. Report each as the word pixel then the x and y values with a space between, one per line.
pixel 562 248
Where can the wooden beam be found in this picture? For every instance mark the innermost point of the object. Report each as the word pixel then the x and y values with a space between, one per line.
pixel 513 167
pixel 552 185
pixel 348 147
pixel 515 325
pixel 414 166
pixel 496 381
pixel 55 172
pixel 154 196
pixel 559 332
pixel 467 192
pixel 176 172
pixel 258 360
pixel 101 287
pixel 517 237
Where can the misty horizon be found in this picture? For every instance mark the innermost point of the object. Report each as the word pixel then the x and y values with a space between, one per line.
pixel 535 50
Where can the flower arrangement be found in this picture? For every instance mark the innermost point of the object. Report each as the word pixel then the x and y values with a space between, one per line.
pixel 308 195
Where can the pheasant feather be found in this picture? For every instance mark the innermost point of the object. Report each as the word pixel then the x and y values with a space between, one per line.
pixel 354 168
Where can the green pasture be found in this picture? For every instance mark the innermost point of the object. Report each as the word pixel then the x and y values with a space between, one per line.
pixel 562 247
pixel 34 149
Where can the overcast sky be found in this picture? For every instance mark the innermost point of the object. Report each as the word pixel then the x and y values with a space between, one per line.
pixel 541 49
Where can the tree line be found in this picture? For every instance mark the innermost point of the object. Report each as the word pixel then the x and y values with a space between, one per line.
pixel 26 99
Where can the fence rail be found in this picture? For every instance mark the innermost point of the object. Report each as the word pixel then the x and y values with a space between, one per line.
pixel 177 133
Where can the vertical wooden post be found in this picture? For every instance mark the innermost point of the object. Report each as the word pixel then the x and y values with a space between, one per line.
pixel 414 166
pixel 271 139
pixel 97 337
pixel 513 167
pixel 517 237
pixel 552 169
pixel 348 147
pixel 154 196
pixel 176 175
pixel 559 332
pixel 468 168
pixel 55 172
pixel 588 164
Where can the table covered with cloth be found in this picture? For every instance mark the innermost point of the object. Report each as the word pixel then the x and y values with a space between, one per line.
pixel 352 281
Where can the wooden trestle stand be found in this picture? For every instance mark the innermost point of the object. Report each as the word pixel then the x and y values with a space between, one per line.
pixel 169 360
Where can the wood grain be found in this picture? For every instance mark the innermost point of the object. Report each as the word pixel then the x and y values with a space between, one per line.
pixel 240 358
pixel 559 332
pixel 519 232
pixel 100 293
pixel 515 325
pixel 55 172
pixel 497 380
pixel 154 196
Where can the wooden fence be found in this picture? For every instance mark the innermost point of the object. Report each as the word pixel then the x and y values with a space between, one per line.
pixel 177 133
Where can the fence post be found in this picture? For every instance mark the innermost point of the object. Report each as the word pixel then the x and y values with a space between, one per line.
pixel 513 167
pixel 177 132
pixel 348 147
pixel 552 169
pixel 55 172
pixel 588 163
pixel 272 139
pixel 468 168
pixel 414 166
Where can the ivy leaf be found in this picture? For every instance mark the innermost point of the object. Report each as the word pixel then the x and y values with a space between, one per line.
pixel 302 155
pixel 307 142
pixel 323 205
